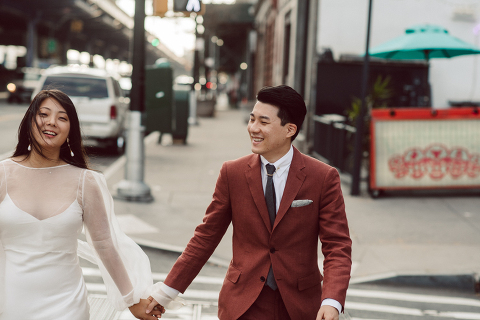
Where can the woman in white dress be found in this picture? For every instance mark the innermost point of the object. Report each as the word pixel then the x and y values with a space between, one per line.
pixel 47 195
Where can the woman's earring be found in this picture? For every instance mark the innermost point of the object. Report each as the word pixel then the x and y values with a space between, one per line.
pixel 29 148
pixel 71 152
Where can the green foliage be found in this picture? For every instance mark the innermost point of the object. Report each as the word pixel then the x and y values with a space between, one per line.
pixel 378 98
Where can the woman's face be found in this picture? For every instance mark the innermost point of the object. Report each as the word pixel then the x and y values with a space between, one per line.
pixel 53 124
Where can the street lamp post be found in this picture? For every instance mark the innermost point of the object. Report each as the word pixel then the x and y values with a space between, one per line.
pixel 192 118
pixel 360 124
pixel 133 188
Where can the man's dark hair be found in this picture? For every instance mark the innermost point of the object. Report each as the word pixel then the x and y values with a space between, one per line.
pixel 290 104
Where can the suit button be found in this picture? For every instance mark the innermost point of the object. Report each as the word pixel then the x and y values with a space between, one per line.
pixel 272 250
pixel 262 278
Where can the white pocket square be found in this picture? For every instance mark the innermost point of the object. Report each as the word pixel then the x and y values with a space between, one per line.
pixel 300 203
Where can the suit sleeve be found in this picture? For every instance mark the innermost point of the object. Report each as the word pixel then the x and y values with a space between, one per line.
pixel 206 237
pixel 335 238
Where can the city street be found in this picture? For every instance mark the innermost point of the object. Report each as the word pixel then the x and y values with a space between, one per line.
pixel 390 98
pixel 365 301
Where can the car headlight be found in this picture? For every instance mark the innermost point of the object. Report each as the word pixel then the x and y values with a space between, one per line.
pixel 11 87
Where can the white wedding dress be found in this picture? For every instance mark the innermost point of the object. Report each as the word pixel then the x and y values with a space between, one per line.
pixel 42 212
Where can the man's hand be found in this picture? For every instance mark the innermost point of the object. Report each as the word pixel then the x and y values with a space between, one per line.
pixel 139 310
pixel 153 305
pixel 328 313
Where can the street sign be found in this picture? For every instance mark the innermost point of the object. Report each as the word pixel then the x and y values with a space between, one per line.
pixel 188 6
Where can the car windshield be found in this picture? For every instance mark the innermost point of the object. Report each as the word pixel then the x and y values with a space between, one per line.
pixel 93 88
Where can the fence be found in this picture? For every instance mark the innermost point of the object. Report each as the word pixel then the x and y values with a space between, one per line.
pixel 334 141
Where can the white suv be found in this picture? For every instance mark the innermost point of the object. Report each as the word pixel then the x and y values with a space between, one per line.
pixel 100 102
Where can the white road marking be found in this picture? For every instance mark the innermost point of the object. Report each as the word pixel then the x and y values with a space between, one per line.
pixel 460 315
pixel 93 272
pixel 130 224
pixel 382 308
pixel 189 293
pixel 412 297
pixel 410 311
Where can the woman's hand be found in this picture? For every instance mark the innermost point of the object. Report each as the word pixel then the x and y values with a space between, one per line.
pixel 138 310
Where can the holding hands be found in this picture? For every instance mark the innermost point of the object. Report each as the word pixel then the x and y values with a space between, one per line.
pixel 147 309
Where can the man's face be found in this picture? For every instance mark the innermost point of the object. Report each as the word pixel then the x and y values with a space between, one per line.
pixel 267 135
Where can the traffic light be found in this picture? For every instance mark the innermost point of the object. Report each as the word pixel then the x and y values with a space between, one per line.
pixel 187 6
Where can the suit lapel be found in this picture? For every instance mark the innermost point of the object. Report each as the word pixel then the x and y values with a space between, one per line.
pixel 254 180
pixel 294 181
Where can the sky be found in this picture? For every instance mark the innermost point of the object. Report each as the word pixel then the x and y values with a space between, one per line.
pixel 176 33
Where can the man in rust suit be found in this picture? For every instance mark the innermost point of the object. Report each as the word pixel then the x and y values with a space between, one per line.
pixel 280 202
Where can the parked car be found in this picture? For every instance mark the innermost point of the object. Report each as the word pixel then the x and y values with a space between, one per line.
pixel 20 90
pixel 100 102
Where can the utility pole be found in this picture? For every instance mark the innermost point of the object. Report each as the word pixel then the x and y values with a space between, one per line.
pixel 192 118
pixel 133 188
pixel 302 38
pixel 311 65
pixel 358 150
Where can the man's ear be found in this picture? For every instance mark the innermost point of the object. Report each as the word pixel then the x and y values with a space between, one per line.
pixel 291 129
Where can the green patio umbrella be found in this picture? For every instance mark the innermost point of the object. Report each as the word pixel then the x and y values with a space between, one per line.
pixel 423 42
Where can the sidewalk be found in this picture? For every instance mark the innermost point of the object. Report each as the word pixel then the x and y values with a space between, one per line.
pixel 392 236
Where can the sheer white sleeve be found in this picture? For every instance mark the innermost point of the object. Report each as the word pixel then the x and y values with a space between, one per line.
pixel 124 266
pixel 3 192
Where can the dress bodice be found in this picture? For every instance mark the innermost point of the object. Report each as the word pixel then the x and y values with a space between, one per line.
pixel 23 232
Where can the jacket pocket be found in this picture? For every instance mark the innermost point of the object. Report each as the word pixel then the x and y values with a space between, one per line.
pixel 233 273
pixel 309 281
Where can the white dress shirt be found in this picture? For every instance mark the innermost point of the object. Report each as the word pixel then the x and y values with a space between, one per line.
pixel 282 166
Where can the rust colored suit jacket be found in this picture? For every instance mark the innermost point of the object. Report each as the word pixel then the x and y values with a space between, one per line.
pixel 291 247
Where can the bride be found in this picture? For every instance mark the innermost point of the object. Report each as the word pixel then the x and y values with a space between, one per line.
pixel 47 195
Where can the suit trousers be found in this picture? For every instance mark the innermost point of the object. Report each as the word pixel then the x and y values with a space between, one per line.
pixel 268 306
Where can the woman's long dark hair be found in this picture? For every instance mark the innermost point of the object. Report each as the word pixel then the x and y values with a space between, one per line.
pixel 26 137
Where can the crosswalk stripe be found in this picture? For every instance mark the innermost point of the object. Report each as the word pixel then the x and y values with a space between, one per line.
pixel 410 311
pixel 189 293
pixel 459 315
pixel 212 295
pixel 382 308
pixel 93 272
pixel 96 287
pixel 412 297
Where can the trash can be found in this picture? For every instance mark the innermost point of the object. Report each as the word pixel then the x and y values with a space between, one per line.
pixel 181 109
pixel 159 97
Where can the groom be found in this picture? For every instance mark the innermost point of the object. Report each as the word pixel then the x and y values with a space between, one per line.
pixel 280 202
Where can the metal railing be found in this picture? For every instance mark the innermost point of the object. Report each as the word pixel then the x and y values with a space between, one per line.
pixel 333 141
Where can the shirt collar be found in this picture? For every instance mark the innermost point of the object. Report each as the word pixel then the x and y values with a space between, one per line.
pixel 281 164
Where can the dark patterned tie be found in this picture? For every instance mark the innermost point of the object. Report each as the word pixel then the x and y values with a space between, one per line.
pixel 271 200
